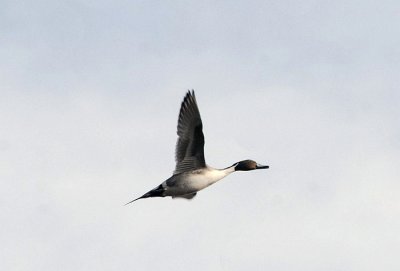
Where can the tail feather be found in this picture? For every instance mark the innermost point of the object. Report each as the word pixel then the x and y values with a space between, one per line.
pixel 142 197
pixel 156 192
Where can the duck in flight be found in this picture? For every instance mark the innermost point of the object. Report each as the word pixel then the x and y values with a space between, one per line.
pixel 192 174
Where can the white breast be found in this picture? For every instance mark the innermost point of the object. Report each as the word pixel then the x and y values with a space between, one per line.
pixel 198 180
pixel 204 178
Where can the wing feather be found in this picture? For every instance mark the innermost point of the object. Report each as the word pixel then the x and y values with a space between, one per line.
pixel 189 152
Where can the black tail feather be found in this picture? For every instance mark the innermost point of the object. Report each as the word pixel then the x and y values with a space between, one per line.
pixel 156 192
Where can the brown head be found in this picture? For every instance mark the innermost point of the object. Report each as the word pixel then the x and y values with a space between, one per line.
pixel 246 165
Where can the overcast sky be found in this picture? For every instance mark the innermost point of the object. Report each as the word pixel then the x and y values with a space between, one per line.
pixel 90 94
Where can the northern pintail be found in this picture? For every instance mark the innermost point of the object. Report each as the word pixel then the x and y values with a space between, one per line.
pixel 192 174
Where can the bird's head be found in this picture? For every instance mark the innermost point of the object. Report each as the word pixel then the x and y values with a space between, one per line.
pixel 246 165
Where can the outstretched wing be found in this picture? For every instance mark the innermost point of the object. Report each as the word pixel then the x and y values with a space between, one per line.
pixel 189 152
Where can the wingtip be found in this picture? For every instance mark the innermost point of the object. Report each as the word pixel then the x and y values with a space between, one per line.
pixel 190 92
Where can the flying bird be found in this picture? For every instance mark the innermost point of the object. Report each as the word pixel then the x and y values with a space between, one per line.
pixel 192 174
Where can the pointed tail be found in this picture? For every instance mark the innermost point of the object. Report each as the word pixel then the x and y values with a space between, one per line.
pixel 156 192
pixel 142 197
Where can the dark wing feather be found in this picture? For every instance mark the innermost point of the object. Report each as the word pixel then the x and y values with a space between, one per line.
pixel 189 152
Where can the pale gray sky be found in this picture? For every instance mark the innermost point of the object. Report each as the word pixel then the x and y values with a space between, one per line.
pixel 90 93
